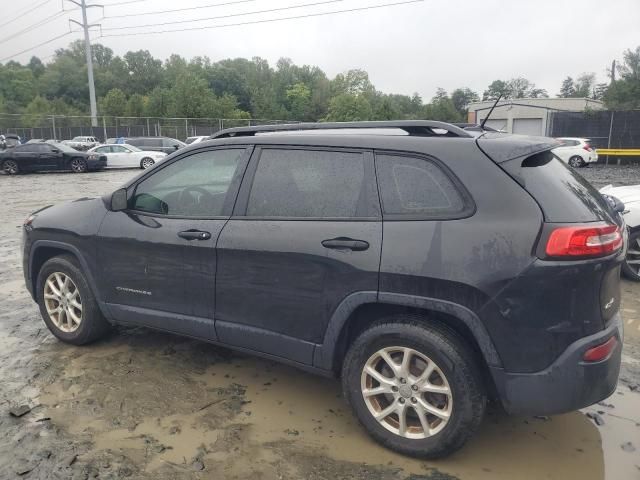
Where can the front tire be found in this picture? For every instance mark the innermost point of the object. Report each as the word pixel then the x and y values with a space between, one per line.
pixel 67 304
pixel 10 167
pixel 78 165
pixel 631 265
pixel 146 163
pixel 416 388
pixel 576 161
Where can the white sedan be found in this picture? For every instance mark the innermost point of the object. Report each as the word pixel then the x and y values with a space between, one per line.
pixel 123 156
pixel 577 152
pixel 630 196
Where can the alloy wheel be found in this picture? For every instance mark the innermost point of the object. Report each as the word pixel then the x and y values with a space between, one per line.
pixel 576 162
pixel 10 167
pixel 633 256
pixel 78 165
pixel 406 392
pixel 63 302
pixel 147 162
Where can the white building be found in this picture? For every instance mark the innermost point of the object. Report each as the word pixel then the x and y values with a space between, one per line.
pixel 528 116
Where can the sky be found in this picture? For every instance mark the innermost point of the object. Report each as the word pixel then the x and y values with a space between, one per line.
pixel 406 48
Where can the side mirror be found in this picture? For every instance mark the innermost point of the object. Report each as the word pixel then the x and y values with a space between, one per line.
pixel 55 150
pixel 119 200
pixel 176 146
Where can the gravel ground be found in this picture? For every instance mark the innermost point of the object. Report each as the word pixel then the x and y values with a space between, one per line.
pixel 147 405
pixel 616 175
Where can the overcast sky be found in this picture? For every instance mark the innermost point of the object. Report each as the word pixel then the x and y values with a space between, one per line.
pixel 406 48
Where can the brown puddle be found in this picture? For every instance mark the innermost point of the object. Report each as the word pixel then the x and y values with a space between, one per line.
pixel 249 416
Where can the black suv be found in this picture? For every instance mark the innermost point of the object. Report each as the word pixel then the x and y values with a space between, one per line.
pixel 156 144
pixel 430 269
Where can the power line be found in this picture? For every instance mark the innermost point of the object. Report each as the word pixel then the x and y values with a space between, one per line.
pixel 178 9
pixel 127 2
pixel 33 27
pixel 35 46
pixel 24 12
pixel 292 7
pixel 371 7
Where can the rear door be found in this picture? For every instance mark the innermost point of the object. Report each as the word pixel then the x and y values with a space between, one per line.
pixel 49 157
pixel 305 234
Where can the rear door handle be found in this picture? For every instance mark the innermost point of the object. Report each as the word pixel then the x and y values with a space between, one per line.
pixel 194 235
pixel 345 243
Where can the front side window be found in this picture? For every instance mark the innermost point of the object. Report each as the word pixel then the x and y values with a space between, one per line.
pixel 194 186
pixel 119 149
pixel 104 150
pixel 416 186
pixel 308 183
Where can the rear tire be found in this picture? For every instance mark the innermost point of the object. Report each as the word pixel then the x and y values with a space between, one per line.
pixel 67 304
pixel 433 413
pixel 10 167
pixel 576 161
pixel 78 165
pixel 632 271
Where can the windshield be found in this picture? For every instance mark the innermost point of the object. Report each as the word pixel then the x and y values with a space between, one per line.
pixel 133 149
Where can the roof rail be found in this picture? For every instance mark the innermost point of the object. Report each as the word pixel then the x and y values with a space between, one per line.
pixel 418 128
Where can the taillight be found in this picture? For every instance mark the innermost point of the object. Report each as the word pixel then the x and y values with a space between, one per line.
pixel 587 147
pixel 600 352
pixel 584 241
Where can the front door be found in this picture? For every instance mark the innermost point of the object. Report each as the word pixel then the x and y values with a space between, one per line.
pixel 158 258
pixel 305 234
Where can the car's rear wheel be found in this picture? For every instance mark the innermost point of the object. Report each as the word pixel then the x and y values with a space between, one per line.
pixel 67 304
pixel 417 389
pixel 631 265
pixel 576 161
pixel 146 163
pixel 10 167
pixel 78 165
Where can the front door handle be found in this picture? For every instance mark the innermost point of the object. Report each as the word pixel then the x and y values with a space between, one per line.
pixel 345 243
pixel 194 235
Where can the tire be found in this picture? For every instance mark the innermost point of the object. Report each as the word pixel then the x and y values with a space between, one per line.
pixel 10 167
pixel 91 325
pixel 576 161
pixel 456 371
pixel 78 165
pixel 146 162
pixel 632 271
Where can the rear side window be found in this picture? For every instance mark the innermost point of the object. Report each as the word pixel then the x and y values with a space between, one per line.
pixel 416 186
pixel 561 192
pixel 308 184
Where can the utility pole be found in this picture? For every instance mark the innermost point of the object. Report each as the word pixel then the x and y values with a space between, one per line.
pixel 87 50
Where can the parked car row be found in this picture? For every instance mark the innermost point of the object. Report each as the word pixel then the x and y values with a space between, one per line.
pixel 32 157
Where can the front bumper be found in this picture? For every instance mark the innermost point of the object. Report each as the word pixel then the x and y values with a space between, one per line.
pixel 567 384
pixel 97 164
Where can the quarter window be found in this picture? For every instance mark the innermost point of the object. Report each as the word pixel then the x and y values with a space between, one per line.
pixel 416 186
pixel 308 184
pixel 194 186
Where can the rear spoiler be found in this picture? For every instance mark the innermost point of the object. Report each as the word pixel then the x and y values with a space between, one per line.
pixel 502 147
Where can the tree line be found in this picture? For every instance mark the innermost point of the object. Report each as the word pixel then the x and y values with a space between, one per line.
pixel 137 84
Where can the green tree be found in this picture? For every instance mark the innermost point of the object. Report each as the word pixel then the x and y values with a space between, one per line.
pixel 299 101
pixel 442 108
pixel 567 90
pixel 347 107
pixel 461 97
pixel 114 103
pixel 37 113
pixel 191 97
pixel 496 89
pixel 136 106
pixel 158 102
pixel 624 93
pixel 584 85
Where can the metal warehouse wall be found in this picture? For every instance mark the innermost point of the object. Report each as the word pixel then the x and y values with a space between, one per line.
pixel 606 129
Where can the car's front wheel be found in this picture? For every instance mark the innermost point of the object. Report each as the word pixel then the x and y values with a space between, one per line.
pixel 631 265
pixel 146 163
pixel 10 167
pixel 576 161
pixel 67 304
pixel 78 165
pixel 415 387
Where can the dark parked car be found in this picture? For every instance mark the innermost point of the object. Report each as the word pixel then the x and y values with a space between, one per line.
pixel 431 270
pixel 32 157
pixel 156 144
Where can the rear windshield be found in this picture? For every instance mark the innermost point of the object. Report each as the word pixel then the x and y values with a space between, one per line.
pixel 563 195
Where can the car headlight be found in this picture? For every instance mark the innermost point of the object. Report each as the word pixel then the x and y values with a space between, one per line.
pixel 93 157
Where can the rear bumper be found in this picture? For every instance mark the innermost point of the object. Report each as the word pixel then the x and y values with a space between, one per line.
pixel 568 383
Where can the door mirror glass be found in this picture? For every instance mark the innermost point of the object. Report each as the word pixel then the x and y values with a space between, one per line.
pixel 119 200
pixel 176 146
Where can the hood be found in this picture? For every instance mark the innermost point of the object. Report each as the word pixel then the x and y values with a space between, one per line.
pixel 627 194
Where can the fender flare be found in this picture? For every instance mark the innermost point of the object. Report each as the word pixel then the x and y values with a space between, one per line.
pixel 75 251
pixel 324 354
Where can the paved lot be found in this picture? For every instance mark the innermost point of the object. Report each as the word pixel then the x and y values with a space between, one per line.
pixel 142 404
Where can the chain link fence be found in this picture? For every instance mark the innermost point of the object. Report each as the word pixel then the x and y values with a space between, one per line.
pixel 60 127
pixel 606 129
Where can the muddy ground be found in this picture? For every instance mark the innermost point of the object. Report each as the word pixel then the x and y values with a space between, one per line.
pixel 146 405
